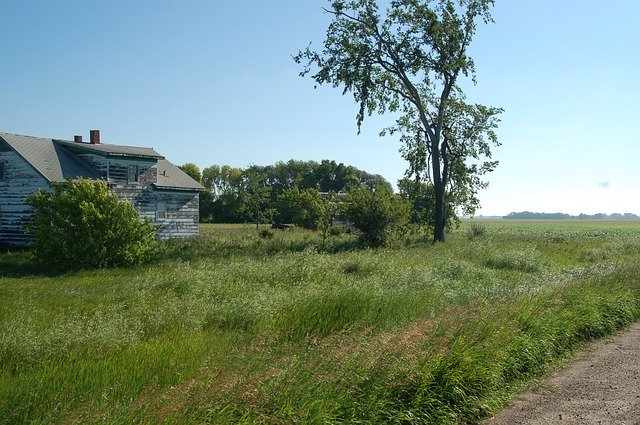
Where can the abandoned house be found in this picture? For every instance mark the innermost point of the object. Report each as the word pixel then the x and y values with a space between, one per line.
pixel 157 188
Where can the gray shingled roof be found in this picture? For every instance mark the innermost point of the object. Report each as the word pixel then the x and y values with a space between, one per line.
pixel 53 162
pixel 112 150
pixel 172 177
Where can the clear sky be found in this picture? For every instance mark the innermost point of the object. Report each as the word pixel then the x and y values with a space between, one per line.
pixel 213 82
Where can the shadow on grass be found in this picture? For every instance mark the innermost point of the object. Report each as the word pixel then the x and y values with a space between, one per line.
pixel 17 263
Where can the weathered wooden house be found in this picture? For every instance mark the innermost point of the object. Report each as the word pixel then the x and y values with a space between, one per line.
pixel 157 188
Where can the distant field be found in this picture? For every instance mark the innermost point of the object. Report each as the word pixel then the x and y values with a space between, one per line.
pixel 230 327
pixel 568 228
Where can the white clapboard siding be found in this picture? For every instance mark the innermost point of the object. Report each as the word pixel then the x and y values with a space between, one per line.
pixel 20 181
pixel 182 214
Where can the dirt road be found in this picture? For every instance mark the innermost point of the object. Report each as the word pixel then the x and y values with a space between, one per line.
pixel 601 386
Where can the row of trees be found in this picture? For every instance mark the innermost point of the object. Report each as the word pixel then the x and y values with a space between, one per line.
pixel 266 193
pixel 314 196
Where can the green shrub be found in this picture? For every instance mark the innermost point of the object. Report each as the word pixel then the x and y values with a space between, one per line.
pixel 80 224
pixel 476 230
pixel 377 214
pixel 335 230
pixel 304 208
pixel 266 233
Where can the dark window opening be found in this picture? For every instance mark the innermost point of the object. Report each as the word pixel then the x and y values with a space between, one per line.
pixel 161 210
pixel 2 170
pixel 133 173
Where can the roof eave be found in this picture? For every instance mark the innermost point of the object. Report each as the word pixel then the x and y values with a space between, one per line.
pixel 182 189
pixel 151 157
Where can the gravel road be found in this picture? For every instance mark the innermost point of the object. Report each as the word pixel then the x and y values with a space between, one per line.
pixel 600 386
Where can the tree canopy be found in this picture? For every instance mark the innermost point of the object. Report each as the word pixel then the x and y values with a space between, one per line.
pixel 192 170
pixel 254 194
pixel 408 60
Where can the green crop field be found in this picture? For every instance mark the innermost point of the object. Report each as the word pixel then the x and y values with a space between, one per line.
pixel 231 327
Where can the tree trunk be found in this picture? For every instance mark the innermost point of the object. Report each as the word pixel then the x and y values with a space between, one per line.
pixel 439 230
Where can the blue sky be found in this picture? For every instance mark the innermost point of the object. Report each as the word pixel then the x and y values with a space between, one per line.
pixel 213 82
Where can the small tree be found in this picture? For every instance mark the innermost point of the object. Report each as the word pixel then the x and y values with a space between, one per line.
pixel 376 213
pixel 80 224
pixel 256 197
pixel 304 208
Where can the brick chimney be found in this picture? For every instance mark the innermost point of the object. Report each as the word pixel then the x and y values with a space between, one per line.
pixel 94 137
pixel 77 139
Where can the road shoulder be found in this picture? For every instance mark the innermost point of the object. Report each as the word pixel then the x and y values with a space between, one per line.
pixel 600 385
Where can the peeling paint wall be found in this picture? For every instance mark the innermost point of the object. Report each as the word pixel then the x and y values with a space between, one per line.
pixel 20 181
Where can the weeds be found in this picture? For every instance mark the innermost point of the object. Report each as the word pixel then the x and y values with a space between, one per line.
pixel 234 328
pixel 476 230
pixel 523 261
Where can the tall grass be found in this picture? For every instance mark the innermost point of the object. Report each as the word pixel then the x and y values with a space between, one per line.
pixel 234 328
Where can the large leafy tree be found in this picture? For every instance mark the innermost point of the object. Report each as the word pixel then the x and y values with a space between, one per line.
pixel 409 60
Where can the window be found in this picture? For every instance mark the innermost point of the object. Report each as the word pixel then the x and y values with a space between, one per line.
pixel 2 170
pixel 161 210
pixel 133 173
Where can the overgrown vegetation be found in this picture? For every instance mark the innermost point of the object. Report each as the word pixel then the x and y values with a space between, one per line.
pixel 234 328
pixel 80 224
pixel 239 195
pixel 377 214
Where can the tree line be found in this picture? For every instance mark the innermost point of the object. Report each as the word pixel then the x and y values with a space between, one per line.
pixel 265 193
pixel 314 195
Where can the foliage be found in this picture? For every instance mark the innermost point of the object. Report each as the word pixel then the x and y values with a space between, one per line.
pixel 256 196
pixel 409 61
pixel 528 215
pixel 192 170
pixel 228 187
pixel 377 214
pixel 266 233
pixel 335 230
pixel 80 224
pixel 304 208
pixel 205 206
pixel 422 197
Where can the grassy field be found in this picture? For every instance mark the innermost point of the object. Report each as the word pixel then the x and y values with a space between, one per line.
pixel 234 328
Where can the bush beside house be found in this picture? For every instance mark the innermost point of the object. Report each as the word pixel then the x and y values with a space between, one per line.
pixel 80 224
